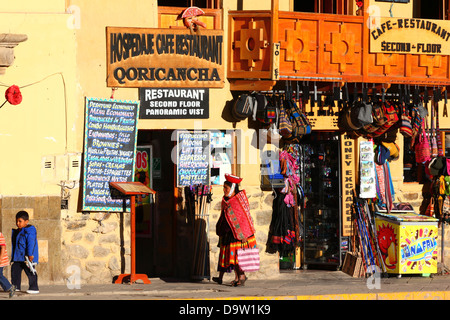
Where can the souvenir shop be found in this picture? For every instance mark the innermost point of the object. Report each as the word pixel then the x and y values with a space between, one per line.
pixel 324 218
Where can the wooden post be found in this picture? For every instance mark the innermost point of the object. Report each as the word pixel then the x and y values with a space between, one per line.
pixel 132 189
pixel 365 46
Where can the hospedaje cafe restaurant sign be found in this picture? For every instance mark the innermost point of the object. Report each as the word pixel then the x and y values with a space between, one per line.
pixel 149 57
pixel 410 36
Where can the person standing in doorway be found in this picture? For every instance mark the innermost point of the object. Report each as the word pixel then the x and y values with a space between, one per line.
pixel 235 230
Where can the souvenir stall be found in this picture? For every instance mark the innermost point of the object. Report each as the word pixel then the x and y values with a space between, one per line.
pixel 391 237
pixel 307 188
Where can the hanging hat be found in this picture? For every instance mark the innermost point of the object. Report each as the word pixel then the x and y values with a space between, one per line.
pixel 232 179
pixel 393 149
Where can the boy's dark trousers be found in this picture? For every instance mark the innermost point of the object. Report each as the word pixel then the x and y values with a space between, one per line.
pixel 16 276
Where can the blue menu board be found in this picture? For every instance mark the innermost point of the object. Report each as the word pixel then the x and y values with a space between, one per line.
pixel 193 150
pixel 109 151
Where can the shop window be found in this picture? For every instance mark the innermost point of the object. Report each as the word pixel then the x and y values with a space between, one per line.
pixel 211 4
pixel 394 1
pixel 322 6
pixel 426 9
pixel 221 156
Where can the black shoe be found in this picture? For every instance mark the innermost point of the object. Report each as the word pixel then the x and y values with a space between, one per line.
pixel 217 279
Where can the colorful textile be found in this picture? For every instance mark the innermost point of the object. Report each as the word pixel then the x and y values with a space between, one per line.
pixel 237 214
pixel 4 260
pixel 385 188
pixel 228 252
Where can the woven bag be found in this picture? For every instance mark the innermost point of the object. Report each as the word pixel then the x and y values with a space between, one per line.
pixel 422 147
pixel 285 125
pixel 405 126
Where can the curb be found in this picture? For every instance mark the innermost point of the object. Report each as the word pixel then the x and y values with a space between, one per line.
pixel 416 295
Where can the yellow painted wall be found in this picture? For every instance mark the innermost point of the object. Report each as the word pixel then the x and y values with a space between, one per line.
pixel 45 69
pixel 95 16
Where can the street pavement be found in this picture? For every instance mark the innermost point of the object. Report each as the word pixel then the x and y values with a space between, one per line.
pixel 294 285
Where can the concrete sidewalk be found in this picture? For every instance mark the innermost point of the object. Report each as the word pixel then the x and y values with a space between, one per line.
pixel 296 285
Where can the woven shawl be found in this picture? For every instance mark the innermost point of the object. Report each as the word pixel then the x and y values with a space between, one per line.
pixel 237 213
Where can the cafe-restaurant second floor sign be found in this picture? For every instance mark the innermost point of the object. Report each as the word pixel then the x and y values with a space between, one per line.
pixel 146 57
pixel 410 36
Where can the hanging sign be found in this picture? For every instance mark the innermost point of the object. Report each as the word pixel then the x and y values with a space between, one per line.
pixel 144 57
pixel 109 151
pixel 347 182
pixel 410 36
pixel 193 161
pixel 174 103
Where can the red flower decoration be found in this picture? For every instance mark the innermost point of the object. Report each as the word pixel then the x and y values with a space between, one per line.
pixel 13 95
pixel 359 3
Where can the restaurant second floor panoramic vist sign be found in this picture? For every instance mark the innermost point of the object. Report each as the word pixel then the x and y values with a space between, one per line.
pixel 147 57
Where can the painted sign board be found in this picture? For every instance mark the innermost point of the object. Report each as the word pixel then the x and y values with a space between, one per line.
pixel 348 184
pixel 193 158
pixel 410 36
pixel 174 103
pixel 148 57
pixel 109 151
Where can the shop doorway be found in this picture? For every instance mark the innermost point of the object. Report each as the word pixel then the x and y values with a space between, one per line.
pixel 155 220
pixel 321 244
pixel 320 159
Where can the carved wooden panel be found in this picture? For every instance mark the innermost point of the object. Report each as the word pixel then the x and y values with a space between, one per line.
pixel 322 47
pixel 249 39
pixel 298 39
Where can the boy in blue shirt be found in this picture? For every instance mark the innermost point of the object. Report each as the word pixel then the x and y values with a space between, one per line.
pixel 24 244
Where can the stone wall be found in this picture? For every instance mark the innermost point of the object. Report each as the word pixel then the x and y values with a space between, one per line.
pixel 45 215
pixel 261 212
pixel 96 245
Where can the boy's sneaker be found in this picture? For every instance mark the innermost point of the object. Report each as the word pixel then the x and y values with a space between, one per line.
pixel 12 291
pixel 33 291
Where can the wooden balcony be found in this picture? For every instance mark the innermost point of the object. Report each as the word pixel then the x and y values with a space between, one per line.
pixel 326 48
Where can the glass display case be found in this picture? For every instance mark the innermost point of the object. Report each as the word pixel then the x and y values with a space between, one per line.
pixel 321 210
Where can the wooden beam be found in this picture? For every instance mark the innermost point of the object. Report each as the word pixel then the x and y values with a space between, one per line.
pixel 252 85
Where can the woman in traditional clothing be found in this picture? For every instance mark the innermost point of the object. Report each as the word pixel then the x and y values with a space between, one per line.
pixel 235 230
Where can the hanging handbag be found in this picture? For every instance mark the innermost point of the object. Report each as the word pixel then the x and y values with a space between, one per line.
pixel 248 259
pixel 438 133
pixel 422 147
pixel 405 126
pixel 300 122
pixel 390 112
pixel 434 147
pixel 285 125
